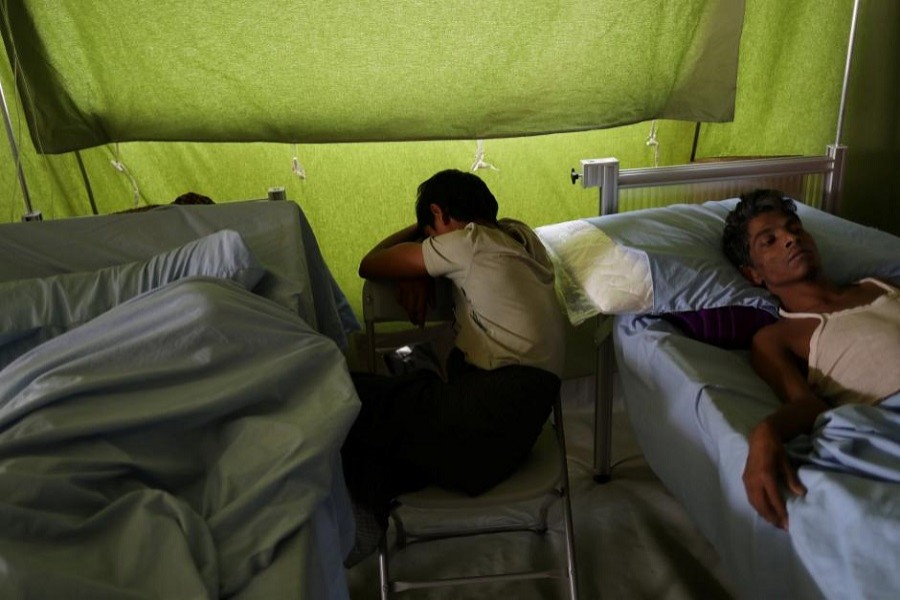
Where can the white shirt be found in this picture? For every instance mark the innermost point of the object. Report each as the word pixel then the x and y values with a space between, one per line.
pixel 854 353
pixel 505 303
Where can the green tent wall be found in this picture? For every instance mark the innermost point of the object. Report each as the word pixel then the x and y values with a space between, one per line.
pixel 872 124
pixel 364 70
pixel 788 85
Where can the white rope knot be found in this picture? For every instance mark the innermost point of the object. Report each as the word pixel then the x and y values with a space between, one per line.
pixel 652 142
pixel 296 168
pixel 479 158
pixel 119 166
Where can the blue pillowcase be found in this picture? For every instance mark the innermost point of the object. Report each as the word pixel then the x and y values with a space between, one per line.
pixel 690 272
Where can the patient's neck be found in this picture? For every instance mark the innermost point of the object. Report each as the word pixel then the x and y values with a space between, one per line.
pixel 823 296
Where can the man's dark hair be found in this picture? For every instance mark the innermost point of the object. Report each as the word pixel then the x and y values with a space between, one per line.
pixel 462 196
pixel 735 242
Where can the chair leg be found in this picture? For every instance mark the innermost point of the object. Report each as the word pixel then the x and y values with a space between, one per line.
pixel 570 547
pixel 383 574
pixel 603 394
pixel 567 504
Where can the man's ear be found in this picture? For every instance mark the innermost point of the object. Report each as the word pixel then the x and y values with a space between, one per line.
pixel 439 214
pixel 752 275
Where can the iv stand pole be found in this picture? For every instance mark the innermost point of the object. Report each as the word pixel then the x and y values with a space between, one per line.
pixel 30 215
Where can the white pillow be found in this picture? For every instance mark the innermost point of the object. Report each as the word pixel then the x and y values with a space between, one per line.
pixel 672 256
pixel 594 274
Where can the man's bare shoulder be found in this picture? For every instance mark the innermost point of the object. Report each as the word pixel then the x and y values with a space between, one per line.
pixel 771 333
pixel 785 333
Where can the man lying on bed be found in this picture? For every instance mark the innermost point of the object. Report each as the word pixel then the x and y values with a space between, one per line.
pixel 838 344
pixel 470 432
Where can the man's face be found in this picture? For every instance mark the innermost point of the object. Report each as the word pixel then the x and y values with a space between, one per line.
pixel 781 251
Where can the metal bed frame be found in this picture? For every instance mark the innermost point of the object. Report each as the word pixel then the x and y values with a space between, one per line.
pixel 814 180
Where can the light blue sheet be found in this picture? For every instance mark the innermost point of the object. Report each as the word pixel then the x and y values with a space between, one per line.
pixel 184 444
pixel 851 467
pixel 692 405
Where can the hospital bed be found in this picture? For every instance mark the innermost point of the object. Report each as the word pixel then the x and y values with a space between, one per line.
pixel 678 318
pixel 173 398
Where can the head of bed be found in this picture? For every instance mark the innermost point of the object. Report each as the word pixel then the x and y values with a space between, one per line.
pixel 814 180
pixel 667 259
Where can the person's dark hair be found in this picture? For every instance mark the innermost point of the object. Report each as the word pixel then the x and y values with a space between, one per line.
pixel 735 242
pixel 192 198
pixel 462 196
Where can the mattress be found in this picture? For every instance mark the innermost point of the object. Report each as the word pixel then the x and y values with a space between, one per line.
pixel 692 406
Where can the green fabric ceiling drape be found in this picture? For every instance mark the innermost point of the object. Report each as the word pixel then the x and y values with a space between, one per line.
pixel 91 73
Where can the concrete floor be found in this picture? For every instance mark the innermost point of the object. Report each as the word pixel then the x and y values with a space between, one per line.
pixel 633 540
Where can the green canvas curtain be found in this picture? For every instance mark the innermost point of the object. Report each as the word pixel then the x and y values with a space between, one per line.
pixel 91 73
pixel 788 85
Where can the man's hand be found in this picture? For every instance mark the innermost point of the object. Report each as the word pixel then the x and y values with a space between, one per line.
pixel 415 296
pixel 767 465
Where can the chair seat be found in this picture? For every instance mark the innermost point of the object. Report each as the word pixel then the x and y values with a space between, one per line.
pixel 540 473
pixel 541 477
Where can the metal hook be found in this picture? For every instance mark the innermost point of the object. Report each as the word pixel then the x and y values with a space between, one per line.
pixel 575 176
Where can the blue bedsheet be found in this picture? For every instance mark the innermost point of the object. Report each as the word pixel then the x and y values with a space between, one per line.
pixel 692 406
pixel 847 527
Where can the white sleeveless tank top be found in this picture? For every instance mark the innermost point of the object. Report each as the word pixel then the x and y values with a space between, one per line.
pixel 854 354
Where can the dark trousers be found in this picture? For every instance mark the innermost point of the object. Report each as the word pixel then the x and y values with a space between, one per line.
pixel 468 433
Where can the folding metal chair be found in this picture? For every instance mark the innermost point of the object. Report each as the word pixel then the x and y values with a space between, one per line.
pixel 544 474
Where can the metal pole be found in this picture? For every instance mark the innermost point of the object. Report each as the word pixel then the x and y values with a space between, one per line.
pixel 87 182
pixel 30 215
pixel 840 123
pixel 695 142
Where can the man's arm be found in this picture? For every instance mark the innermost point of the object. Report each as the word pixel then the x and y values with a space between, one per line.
pixel 773 357
pixel 399 256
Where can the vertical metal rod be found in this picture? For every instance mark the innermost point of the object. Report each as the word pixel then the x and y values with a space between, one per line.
pixel 609 188
pixel 603 399
pixel 384 577
pixel 571 568
pixel 840 123
pixel 834 179
pixel 87 182
pixel 695 142
pixel 29 213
